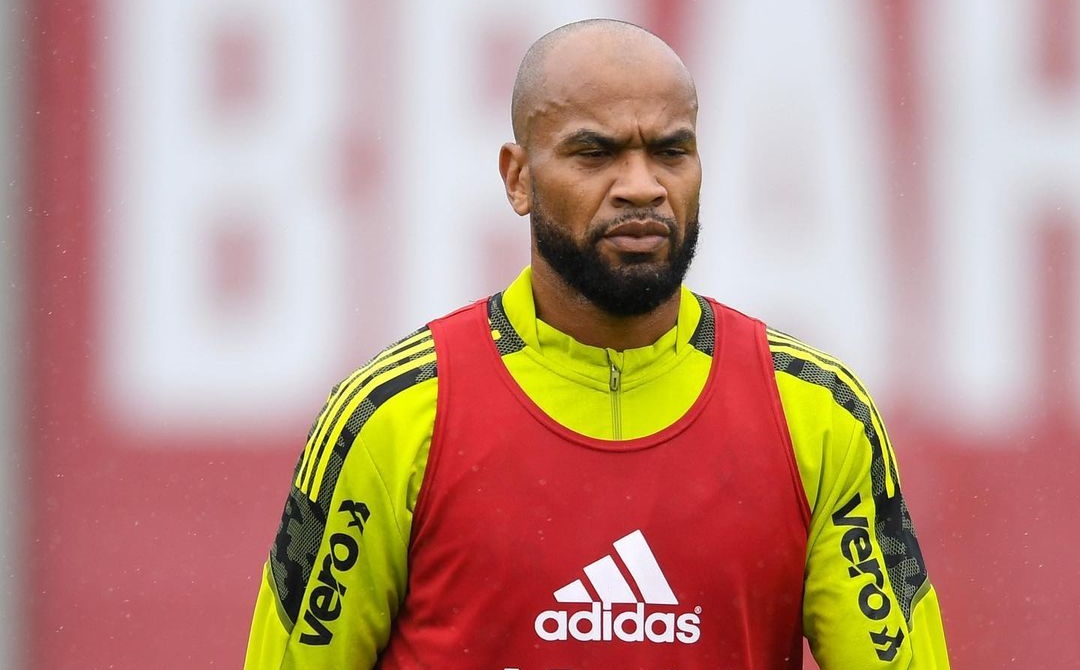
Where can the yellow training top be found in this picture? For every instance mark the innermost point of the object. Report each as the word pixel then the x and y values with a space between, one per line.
pixel 370 442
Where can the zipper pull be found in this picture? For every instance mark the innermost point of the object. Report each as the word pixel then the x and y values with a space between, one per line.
pixel 616 375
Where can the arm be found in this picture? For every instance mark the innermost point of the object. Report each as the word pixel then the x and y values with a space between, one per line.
pixel 868 601
pixel 336 574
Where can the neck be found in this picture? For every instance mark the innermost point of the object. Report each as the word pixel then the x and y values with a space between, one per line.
pixel 566 310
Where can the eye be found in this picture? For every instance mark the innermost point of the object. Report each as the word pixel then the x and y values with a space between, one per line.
pixel 594 153
pixel 672 152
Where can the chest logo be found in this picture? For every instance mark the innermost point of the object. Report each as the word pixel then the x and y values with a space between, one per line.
pixel 616 611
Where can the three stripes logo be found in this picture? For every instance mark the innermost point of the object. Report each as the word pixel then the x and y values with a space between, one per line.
pixel 615 611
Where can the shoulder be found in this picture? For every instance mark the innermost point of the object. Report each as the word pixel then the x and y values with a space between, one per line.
pixel 395 371
pixel 399 381
pixel 805 372
pixel 832 419
pixel 808 376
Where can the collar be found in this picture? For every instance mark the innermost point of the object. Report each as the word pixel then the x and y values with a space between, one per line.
pixel 564 351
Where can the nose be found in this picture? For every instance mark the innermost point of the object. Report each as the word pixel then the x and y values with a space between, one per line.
pixel 636 184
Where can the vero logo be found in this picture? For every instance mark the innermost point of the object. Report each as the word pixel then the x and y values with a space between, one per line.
pixel 615 610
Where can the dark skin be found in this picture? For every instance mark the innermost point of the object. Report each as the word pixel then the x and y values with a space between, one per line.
pixel 608 127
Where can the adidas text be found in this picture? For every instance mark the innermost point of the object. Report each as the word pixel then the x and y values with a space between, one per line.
pixel 601 624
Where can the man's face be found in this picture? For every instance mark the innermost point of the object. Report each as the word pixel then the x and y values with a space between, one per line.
pixel 614 180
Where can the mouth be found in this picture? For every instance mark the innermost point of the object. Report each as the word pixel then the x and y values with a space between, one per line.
pixel 643 236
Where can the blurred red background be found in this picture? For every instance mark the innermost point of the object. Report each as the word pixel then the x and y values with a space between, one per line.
pixel 230 205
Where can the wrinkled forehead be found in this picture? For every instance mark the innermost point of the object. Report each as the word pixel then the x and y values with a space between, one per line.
pixel 603 69
pixel 617 96
pixel 614 82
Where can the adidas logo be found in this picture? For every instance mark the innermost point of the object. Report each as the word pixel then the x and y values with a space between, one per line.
pixel 616 612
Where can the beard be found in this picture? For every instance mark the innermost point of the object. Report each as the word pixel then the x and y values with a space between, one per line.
pixel 637 285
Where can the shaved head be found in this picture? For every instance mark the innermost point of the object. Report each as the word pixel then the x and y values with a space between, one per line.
pixel 569 48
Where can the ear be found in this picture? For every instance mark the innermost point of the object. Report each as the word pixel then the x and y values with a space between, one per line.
pixel 514 169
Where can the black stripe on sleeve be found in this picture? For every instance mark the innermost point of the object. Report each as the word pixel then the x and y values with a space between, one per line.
pixel 894 528
pixel 354 388
pixel 303 521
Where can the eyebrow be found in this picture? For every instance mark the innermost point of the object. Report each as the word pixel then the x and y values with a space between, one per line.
pixel 592 138
pixel 681 137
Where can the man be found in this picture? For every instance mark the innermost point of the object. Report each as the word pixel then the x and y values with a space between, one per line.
pixel 597 468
